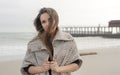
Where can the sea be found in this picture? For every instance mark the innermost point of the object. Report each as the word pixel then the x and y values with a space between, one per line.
pixel 15 44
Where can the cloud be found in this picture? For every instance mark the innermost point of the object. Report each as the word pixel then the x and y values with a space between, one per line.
pixel 19 14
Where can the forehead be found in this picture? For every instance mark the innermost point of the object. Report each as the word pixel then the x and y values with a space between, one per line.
pixel 44 16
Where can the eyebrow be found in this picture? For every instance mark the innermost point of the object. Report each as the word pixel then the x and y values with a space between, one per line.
pixel 45 20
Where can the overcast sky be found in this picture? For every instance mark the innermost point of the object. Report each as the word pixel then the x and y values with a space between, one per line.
pixel 18 15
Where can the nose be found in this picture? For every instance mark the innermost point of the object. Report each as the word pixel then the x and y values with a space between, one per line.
pixel 47 23
pixel 45 26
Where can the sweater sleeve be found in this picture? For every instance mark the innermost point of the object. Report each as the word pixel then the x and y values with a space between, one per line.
pixel 76 62
pixel 26 68
pixel 28 61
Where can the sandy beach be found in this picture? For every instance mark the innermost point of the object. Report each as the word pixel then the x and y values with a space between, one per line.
pixel 106 62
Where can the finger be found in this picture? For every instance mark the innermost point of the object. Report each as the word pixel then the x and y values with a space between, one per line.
pixel 46 61
pixel 46 68
pixel 52 67
pixel 45 64
pixel 52 62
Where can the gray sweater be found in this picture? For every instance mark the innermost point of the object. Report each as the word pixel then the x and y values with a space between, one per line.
pixel 65 51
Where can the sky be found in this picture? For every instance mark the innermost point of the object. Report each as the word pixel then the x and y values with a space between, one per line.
pixel 18 15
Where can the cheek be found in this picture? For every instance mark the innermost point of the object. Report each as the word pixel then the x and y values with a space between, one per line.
pixel 45 26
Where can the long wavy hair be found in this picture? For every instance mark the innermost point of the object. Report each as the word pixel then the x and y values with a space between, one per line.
pixel 45 36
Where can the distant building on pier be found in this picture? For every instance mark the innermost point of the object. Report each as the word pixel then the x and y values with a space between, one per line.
pixel 114 23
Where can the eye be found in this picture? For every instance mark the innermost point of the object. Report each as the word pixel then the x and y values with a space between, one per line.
pixel 43 21
pixel 50 19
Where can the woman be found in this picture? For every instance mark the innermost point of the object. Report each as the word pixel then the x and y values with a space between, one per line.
pixel 51 52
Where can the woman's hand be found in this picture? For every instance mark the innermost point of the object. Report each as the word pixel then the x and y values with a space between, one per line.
pixel 39 69
pixel 54 66
pixel 46 66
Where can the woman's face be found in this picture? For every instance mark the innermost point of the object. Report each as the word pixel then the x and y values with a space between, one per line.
pixel 45 20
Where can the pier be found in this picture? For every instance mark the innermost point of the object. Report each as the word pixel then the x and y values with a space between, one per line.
pixel 93 31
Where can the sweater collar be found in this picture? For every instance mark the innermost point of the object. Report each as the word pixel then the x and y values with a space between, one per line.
pixel 62 36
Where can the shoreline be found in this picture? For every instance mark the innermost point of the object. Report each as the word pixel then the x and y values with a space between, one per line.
pixel 11 58
pixel 21 56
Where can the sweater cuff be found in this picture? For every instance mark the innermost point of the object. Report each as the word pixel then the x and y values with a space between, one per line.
pixel 26 68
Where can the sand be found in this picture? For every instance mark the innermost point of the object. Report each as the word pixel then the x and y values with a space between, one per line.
pixel 10 67
pixel 106 62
